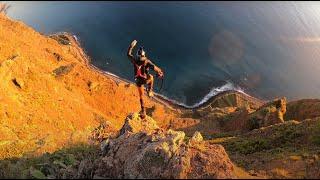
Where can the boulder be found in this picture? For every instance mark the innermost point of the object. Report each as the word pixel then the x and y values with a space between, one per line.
pixel 197 137
pixel 63 70
pixel 142 150
pixel 61 38
pixel 134 124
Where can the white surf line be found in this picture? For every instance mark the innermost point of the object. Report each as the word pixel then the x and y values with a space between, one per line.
pixel 213 92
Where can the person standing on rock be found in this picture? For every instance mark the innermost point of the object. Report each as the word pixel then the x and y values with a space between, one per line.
pixel 141 70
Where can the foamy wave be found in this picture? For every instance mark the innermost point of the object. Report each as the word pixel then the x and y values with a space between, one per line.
pixel 213 92
pixel 111 74
pixel 75 38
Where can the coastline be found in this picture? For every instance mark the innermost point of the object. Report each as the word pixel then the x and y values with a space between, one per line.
pixel 170 103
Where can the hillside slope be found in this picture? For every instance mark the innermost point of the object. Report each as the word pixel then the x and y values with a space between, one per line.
pixel 50 97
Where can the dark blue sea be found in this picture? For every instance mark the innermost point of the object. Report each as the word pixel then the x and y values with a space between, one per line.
pixel 265 49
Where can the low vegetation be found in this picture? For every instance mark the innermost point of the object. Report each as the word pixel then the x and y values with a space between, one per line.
pixel 48 165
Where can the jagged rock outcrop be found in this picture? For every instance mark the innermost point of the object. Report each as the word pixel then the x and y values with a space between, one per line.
pixel 227 111
pixel 145 151
pixel 104 131
pixel 62 38
pixel 134 124
pixel 246 119
pixel 269 114
pixel 197 137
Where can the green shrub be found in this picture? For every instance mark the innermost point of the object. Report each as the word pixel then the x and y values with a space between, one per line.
pixel 248 146
pixel 253 123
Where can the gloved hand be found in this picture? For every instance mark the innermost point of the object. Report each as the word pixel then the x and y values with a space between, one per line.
pixel 160 74
pixel 133 43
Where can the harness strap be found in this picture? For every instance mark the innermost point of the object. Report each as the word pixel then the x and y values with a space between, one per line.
pixel 139 71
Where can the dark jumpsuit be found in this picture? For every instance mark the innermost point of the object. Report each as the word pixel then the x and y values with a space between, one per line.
pixel 144 71
pixel 145 64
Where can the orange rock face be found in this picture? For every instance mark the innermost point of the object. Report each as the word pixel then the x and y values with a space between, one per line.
pixel 50 96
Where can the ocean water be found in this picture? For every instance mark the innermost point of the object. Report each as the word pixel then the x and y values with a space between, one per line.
pixel 265 49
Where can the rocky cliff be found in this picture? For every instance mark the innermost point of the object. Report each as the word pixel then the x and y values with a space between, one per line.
pixel 51 97
pixel 143 150
pixel 52 100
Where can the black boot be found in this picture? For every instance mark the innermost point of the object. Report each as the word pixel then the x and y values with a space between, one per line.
pixel 143 114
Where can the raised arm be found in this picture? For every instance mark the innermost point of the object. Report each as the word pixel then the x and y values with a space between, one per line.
pixel 129 52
